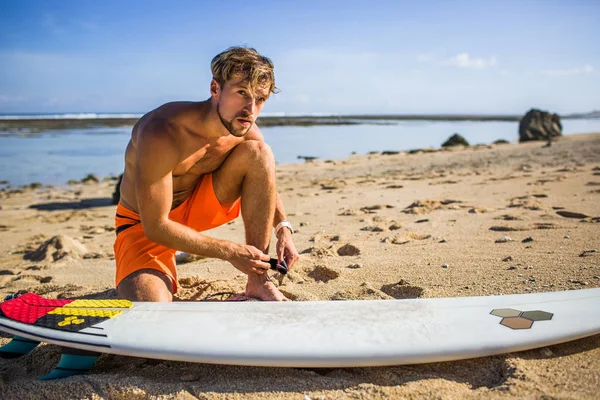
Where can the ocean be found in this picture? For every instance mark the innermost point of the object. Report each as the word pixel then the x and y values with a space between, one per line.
pixel 53 157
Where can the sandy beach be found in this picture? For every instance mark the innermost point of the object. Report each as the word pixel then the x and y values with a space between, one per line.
pixel 424 224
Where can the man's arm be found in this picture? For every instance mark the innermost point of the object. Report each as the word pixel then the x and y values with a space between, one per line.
pixel 157 156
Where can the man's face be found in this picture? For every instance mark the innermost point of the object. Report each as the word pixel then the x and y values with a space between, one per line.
pixel 238 106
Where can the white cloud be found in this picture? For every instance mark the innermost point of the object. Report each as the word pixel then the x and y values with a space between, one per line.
pixel 586 69
pixel 464 60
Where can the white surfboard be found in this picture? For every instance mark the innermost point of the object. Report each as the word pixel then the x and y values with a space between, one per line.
pixel 322 333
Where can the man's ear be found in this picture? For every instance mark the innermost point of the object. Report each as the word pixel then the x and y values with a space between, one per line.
pixel 214 87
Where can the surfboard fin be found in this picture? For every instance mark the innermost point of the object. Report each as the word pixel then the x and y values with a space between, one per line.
pixel 17 347
pixel 72 362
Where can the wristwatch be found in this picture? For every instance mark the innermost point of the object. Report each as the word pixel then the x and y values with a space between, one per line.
pixel 283 224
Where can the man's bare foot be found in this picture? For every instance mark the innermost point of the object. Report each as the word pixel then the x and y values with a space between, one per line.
pixel 263 289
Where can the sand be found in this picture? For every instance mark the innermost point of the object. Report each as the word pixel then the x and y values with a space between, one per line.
pixel 408 225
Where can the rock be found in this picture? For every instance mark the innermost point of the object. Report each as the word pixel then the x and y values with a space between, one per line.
pixel 539 125
pixel 348 250
pixel 372 228
pixel 353 266
pixel 56 248
pixel 455 140
pixel 512 268
pixel 90 179
pixel 570 214
pixel 503 229
pixel 527 240
pixel 117 193
pixel 501 141
pixel 586 253
pixel 445 265
pixel 504 239
pixel 509 258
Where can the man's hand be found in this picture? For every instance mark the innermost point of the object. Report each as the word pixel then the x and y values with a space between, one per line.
pixel 249 260
pixel 286 250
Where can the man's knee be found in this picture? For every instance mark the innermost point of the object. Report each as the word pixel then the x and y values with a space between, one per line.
pixel 254 151
pixel 146 285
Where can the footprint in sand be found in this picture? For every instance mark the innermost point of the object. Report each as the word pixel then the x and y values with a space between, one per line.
pixel 373 228
pixel 509 217
pixel 364 292
pixel 406 238
pixel 427 206
pixel 348 250
pixel 324 274
pixel 319 252
pixel 402 290
pixel 373 209
pixel 526 202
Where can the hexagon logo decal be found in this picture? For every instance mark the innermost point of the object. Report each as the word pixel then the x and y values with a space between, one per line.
pixel 517 319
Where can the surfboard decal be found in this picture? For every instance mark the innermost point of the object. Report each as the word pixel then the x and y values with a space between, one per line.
pixel 68 315
pixel 74 319
pixel 517 319
pixel 28 308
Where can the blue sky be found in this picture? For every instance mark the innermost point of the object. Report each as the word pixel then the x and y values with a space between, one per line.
pixel 486 57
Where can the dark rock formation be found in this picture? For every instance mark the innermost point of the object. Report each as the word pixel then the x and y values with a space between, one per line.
pixel 539 125
pixel 455 140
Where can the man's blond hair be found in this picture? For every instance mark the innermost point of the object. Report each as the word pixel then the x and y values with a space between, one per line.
pixel 244 62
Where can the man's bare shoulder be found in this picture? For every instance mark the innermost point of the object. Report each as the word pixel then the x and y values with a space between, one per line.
pixel 254 133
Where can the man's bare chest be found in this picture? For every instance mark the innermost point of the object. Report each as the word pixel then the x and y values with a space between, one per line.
pixel 204 161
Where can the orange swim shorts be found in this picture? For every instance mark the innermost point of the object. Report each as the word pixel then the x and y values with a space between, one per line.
pixel 134 251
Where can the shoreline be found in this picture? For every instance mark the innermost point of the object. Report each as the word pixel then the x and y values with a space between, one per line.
pixel 6 187
pixel 40 124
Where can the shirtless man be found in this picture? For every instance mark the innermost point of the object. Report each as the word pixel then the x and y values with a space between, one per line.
pixel 192 166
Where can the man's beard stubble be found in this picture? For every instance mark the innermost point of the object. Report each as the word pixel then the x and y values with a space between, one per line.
pixel 229 125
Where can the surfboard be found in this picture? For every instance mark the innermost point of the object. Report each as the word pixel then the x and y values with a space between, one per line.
pixel 311 334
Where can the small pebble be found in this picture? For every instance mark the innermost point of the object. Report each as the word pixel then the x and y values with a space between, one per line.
pixel 527 240
pixel 353 266
pixel 596 277
pixel 512 268
pixel 509 258
pixel 443 241
pixel 444 265
pixel 504 239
